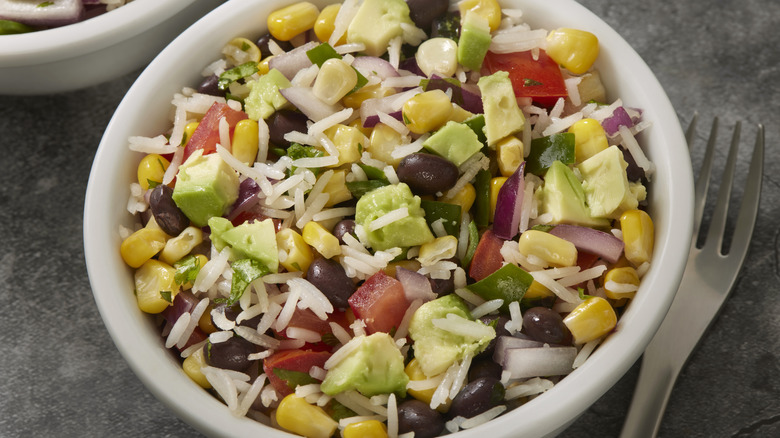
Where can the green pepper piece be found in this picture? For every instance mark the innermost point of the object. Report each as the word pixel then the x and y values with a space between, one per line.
pixel 477 124
pixel 546 150
pixel 509 283
pixel 435 210
pixel 8 27
pixel 482 200
pixel 360 188
pixel 472 248
pixel 374 172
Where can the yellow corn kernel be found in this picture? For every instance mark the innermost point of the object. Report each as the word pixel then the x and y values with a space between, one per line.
pixel 415 373
pixel 616 278
pixel 181 245
pixel 589 139
pixel 337 188
pixel 262 66
pixel 412 265
pixel 427 111
pixel 241 50
pixel 142 245
pixel 297 416
pixel 286 23
pixel 365 429
pixel 536 291
pixel 189 129
pixel 490 10
pixel 192 365
pixel 440 248
pixel 358 124
pixel 321 239
pixel 326 23
pixel 335 79
pixel 574 49
pixel 205 323
pixel 495 186
pixel 354 100
pixel 590 320
pixel 509 155
pixel 245 141
pixel 384 140
pixel 552 249
pixel 155 286
pixel 298 254
pixel 349 141
pixel 459 115
pixel 438 56
pixel 464 197
pixel 638 236
pixel 151 170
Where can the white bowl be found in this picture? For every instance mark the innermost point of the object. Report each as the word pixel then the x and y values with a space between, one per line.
pixel 144 112
pixel 94 50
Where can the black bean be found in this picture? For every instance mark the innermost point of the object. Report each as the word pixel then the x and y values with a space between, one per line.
pixel 416 416
pixel 499 324
pixel 346 226
pixel 427 174
pixel 484 368
pixel 331 279
pixel 167 215
pixel 262 44
pixel 423 12
pixel 230 355
pixel 210 86
pixel 231 313
pixel 477 397
pixel 447 26
pixel 284 121
pixel 545 325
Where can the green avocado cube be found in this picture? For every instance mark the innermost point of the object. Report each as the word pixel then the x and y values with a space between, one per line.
pixel 376 23
pixel 250 240
pixel 206 186
pixel 474 41
pixel 562 196
pixel 502 114
pixel 411 230
pixel 454 141
pixel 264 97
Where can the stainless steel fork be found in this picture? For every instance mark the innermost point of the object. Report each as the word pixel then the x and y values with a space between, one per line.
pixel 708 279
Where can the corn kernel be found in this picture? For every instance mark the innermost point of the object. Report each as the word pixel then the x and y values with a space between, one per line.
pixel 537 291
pixel 412 265
pixel 590 320
pixel 349 141
pixel 459 115
pixel 205 322
pixel 638 236
pixel 438 56
pixel 192 365
pixel 574 49
pixel 321 239
pixel 262 66
pixel 354 100
pixel 298 416
pixel 490 10
pixel 465 197
pixel 326 23
pixel 155 286
pixel 297 254
pixel 241 50
pixel 358 124
pixel 552 249
pixel 245 141
pixel 495 186
pixel 621 276
pixel 509 155
pixel 427 111
pixel 440 248
pixel 335 79
pixel 189 129
pixel 286 23
pixel 414 371
pixel 384 140
pixel 151 170
pixel 365 429
pixel 589 139
pixel 337 188
pixel 181 245
pixel 142 245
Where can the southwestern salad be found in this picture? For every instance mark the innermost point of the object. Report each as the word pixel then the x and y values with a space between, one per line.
pixel 22 16
pixel 391 218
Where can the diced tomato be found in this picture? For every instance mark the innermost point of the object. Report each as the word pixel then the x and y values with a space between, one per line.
pixel 306 319
pixel 540 79
pixel 585 260
pixel 380 302
pixel 487 257
pixel 206 135
pixel 298 361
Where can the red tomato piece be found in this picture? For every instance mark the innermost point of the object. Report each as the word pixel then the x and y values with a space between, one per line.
pixel 298 361
pixel 380 302
pixel 487 257
pixel 540 79
pixel 206 135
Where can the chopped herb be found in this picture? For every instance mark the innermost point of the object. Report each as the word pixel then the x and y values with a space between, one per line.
pixel 186 269
pixel 360 188
pixel 297 150
pixel 531 83
pixel 166 295
pixel 583 296
pixel 294 378
pixel 245 46
pixel 330 339
pixel 374 172
pixel 406 119
pixel 543 227
pixel 472 246
pixel 318 55
pixel 337 411
pixel 236 73
pixel 152 183
pixel 44 4
pixel 245 271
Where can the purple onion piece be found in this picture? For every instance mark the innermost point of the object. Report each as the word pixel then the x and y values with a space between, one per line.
pixel 184 302
pixel 372 65
pixel 304 99
pixel 410 64
pixel 505 343
pixel 416 285
pixel 247 198
pixel 509 205
pixel 540 361
pixel 601 243
pixel 290 63
pixel 618 118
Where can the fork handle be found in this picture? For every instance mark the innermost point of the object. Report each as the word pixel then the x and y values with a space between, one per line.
pixel 655 383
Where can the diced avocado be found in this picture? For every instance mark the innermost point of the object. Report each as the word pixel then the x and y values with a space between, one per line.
pixel 605 183
pixel 205 187
pixel 250 240
pixel 502 114
pixel 411 230
pixel 455 141
pixel 474 40
pixel 436 349
pixel 376 23
pixel 563 197
pixel 264 96
pixel 373 366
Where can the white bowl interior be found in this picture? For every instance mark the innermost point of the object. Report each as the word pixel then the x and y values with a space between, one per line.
pixel 145 109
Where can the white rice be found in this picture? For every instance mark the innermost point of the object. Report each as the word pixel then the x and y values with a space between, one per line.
pixel 562 292
pixel 530 387
pixel 585 352
pixel 388 218
pixel 461 326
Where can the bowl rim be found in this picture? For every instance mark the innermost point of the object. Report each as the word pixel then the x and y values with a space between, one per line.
pixel 90 35
pixel 553 410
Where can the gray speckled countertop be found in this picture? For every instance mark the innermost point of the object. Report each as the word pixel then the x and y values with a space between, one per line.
pixel 62 376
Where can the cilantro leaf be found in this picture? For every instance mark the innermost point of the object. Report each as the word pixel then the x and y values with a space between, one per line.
pixel 166 295
pixel 236 73
pixel 294 378
pixel 245 271
pixel 186 269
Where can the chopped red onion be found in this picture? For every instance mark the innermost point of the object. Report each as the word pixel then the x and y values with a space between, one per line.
pixel 603 244
pixel 509 205
pixel 416 285
pixel 618 118
pixel 506 343
pixel 292 62
pixel 539 361
pixel 304 99
pixel 372 65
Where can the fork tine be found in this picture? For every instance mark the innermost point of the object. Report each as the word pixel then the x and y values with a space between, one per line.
pixel 703 181
pixel 720 213
pixel 748 210
pixel 691 131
